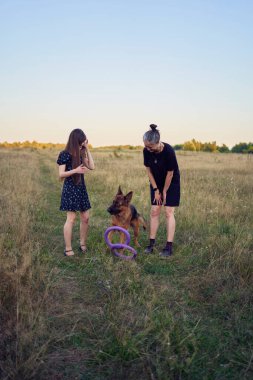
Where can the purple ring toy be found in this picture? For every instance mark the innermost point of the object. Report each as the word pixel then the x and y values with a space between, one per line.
pixel 125 246
pixel 116 228
pixel 113 247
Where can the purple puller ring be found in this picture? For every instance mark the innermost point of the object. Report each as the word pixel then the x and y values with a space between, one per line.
pixel 113 247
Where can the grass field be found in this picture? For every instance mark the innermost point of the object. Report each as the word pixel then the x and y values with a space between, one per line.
pixel 96 317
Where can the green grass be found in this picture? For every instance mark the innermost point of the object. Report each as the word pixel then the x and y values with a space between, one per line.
pixel 186 318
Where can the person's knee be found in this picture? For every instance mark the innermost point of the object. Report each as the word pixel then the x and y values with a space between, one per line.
pixel 84 218
pixel 169 213
pixel 155 212
pixel 71 219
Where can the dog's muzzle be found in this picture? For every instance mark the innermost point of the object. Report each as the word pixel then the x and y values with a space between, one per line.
pixel 113 211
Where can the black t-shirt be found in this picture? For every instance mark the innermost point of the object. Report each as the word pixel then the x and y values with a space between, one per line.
pixel 161 163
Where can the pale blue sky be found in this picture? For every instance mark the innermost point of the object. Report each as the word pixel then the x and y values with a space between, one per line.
pixel 113 67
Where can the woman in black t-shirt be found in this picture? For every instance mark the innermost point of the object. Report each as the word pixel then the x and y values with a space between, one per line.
pixel 164 177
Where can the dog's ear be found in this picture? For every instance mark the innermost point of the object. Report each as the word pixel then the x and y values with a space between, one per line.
pixel 128 197
pixel 119 191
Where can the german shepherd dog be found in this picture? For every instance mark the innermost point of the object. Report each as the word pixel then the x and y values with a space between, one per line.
pixel 125 215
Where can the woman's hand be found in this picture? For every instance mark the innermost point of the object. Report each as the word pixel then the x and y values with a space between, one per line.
pixel 81 169
pixel 87 159
pixel 85 144
pixel 157 198
pixel 164 196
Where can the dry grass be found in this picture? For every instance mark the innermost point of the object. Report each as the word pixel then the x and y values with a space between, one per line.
pixel 25 282
pixel 97 317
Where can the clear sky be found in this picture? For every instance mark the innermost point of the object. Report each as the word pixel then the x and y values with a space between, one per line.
pixel 112 67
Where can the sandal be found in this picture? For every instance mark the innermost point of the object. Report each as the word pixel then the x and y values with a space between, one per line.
pixel 82 250
pixel 70 250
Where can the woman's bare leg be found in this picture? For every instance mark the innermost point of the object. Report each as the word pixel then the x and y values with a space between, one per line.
pixel 84 225
pixel 154 220
pixel 67 231
pixel 170 223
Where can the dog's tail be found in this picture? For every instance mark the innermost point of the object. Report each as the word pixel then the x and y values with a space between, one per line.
pixel 142 221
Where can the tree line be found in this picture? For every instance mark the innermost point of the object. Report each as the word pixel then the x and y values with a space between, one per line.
pixel 192 145
pixel 197 146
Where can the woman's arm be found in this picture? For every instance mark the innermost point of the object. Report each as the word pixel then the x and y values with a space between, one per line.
pixel 88 160
pixel 64 174
pixel 157 198
pixel 167 184
pixel 151 178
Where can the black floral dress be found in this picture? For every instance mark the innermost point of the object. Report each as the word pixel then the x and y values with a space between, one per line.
pixel 74 197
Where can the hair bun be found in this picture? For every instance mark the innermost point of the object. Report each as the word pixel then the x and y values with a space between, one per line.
pixel 153 127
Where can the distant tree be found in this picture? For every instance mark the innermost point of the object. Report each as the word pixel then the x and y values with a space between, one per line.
pixel 241 147
pixel 189 145
pixel 33 144
pixel 194 145
pixel 178 146
pixel 223 148
pixel 197 144
pixel 210 147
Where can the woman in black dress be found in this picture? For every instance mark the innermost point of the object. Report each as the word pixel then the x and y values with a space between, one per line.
pixel 74 161
pixel 164 177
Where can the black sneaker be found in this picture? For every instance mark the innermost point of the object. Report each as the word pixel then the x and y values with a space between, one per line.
pixel 149 249
pixel 166 252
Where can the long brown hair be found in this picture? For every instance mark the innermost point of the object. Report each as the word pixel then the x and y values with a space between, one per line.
pixel 76 138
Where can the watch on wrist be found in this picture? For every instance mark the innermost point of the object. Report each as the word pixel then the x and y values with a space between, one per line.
pixel 155 188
